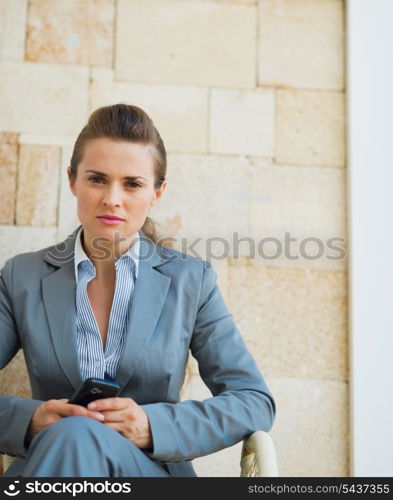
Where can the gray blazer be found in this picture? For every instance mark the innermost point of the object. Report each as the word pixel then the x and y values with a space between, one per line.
pixel 176 307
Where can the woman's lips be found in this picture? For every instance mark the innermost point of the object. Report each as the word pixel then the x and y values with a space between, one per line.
pixel 109 221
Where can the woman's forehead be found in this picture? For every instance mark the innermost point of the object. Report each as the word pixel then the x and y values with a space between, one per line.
pixel 115 157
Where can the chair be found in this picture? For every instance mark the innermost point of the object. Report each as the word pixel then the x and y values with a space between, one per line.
pixel 258 457
pixel 7 461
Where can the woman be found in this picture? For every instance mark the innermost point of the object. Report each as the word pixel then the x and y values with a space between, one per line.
pixel 111 302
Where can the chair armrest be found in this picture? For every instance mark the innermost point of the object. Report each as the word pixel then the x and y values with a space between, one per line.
pixel 258 457
pixel 7 461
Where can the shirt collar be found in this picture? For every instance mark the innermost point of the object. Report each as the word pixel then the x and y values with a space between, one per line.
pixel 80 254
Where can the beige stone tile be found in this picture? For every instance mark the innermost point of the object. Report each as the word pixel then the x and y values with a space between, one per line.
pixel 293 321
pixel 242 122
pixel 43 99
pixel 240 2
pixel 311 434
pixel 18 239
pixel 72 32
pixel 179 112
pixel 98 74
pixel 196 388
pixel 37 191
pixel 205 195
pixel 223 463
pixel 14 380
pixel 310 127
pixel 12 33
pixel 68 218
pixel 8 163
pixel 301 43
pixel 48 139
pixel 306 205
pixel 291 216
pixel 204 43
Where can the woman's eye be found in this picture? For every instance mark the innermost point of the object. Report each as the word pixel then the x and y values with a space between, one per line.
pixel 95 179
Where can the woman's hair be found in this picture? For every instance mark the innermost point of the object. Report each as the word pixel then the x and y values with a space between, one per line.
pixel 124 122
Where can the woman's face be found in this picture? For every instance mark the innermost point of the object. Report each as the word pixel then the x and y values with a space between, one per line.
pixel 114 179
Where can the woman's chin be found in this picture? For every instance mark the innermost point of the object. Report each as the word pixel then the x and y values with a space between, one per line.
pixel 111 233
pixel 107 233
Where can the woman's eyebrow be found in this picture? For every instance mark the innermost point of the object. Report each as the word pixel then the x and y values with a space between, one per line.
pixel 128 177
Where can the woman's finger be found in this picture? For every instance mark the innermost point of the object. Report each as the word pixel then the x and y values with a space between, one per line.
pixel 113 416
pixel 110 404
pixel 70 410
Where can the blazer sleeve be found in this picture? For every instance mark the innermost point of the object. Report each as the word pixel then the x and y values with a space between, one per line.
pixel 241 402
pixel 15 413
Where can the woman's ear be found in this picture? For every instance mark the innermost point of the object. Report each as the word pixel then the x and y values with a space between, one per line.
pixel 159 192
pixel 71 181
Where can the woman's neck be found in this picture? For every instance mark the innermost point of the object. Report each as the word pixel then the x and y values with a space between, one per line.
pixel 105 255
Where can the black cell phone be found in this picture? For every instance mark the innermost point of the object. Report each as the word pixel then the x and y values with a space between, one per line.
pixel 92 389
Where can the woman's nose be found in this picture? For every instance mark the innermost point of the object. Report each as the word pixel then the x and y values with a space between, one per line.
pixel 112 197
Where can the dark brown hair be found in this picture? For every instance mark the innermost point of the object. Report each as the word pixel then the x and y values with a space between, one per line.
pixel 124 122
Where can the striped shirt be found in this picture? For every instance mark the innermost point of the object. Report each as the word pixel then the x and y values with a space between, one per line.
pixel 94 361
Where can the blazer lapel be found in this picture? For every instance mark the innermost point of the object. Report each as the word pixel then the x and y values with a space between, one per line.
pixel 58 290
pixel 148 299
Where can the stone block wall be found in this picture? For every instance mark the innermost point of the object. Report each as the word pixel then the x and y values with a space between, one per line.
pixel 249 97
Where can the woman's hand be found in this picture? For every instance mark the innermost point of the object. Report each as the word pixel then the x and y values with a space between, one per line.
pixel 127 417
pixel 53 410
